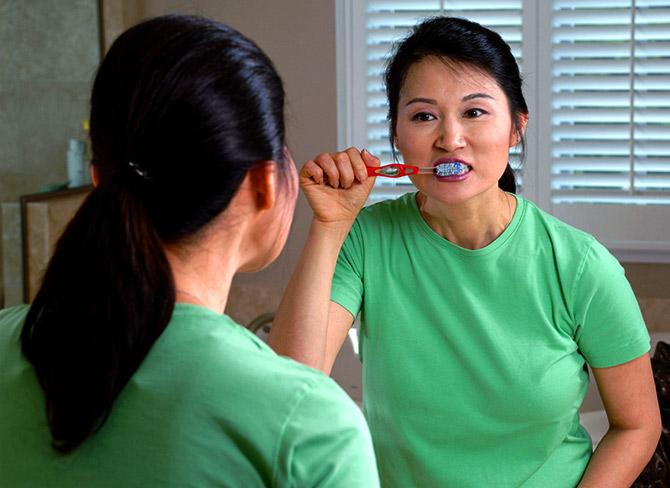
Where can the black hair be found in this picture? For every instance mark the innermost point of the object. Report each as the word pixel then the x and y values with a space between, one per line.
pixel 182 107
pixel 461 41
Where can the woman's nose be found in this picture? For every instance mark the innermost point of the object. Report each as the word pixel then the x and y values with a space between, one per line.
pixel 450 137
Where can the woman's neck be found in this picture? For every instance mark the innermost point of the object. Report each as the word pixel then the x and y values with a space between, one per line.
pixel 203 273
pixel 473 224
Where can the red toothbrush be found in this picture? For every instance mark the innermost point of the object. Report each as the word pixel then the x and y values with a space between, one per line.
pixel 397 170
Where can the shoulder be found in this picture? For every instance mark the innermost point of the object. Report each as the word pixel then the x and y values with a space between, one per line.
pixel 13 315
pixel 11 323
pixel 583 259
pixel 575 254
pixel 226 354
pixel 321 408
pixel 546 224
pixel 11 320
pixel 325 438
pixel 320 396
pixel 570 246
pixel 310 391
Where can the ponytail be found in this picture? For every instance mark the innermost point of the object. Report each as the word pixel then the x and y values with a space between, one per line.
pixel 507 181
pixel 106 296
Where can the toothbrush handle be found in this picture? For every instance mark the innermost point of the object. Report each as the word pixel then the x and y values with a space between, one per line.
pixel 394 170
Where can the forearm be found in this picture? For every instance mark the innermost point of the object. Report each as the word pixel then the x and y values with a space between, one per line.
pixel 300 327
pixel 619 458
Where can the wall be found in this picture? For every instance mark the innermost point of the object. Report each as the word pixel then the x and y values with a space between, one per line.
pixel 47 63
pixel 651 283
pixel 47 60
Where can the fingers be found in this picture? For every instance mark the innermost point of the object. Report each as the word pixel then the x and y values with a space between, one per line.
pixel 340 169
pixel 369 159
pixel 313 171
pixel 358 168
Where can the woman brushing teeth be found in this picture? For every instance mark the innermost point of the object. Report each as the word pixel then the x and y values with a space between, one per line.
pixel 479 311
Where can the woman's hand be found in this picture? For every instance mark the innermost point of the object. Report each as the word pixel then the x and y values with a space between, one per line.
pixel 337 184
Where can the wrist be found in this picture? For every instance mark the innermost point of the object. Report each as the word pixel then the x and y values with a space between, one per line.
pixel 336 230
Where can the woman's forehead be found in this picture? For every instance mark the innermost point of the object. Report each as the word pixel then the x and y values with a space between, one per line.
pixel 434 75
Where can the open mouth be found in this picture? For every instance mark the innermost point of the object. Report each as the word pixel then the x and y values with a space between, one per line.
pixel 451 168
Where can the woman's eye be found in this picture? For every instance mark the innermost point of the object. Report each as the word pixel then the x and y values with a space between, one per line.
pixel 423 117
pixel 474 113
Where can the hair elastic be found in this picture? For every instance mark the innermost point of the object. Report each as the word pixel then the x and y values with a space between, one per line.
pixel 137 169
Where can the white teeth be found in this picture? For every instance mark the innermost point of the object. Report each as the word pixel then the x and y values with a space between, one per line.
pixel 451 169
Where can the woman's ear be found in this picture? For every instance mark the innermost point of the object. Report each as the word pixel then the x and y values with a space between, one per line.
pixel 518 129
pixel 264 180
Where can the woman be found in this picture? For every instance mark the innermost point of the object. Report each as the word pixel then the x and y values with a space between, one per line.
pixel 479 311
pixel 146 382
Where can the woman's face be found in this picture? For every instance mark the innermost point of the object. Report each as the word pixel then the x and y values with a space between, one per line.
pixel 451 112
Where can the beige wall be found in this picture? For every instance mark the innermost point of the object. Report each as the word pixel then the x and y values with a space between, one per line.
pixel 651 283
pixel 48 57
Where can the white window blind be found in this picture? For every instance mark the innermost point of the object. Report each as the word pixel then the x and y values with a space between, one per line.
pixel 388 21
pixel 611 102
pixel 597 82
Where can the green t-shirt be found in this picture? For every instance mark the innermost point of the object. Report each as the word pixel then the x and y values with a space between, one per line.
pixel 474 360
pixel 211 405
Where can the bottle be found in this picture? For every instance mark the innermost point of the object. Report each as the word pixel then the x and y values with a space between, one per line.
pixel 76 163
pixel 86 137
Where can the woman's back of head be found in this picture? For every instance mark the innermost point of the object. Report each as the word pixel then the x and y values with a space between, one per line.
pixel 191 104
pixel 182 108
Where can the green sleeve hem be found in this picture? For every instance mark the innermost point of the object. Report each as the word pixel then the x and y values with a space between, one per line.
pixel 351 304
pixel 621 355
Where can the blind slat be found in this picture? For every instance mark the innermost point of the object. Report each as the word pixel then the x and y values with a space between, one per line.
pixel 609 115
pixel 651 99
pixel 610 164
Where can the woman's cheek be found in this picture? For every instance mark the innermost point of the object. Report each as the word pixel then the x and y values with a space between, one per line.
pixel 412 146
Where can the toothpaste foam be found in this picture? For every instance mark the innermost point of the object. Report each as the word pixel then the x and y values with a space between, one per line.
pixel 451 169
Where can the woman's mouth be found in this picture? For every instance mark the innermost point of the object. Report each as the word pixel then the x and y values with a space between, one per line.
pixel 451 169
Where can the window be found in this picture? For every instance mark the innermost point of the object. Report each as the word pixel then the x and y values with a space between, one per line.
pixel 597 82
pixel 610 121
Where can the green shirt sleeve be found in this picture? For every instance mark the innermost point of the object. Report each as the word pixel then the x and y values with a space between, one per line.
pixel 610 328
pixel 326 442
pixel 347 287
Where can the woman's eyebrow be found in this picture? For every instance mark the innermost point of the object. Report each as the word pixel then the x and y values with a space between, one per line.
pixel 476 95
pixel 434 102
pixel 422 100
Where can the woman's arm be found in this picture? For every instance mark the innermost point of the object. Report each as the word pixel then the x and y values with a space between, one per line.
pixel 309 327
pixel 629 396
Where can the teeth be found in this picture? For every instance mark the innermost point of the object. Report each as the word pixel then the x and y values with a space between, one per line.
pixel 451 169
